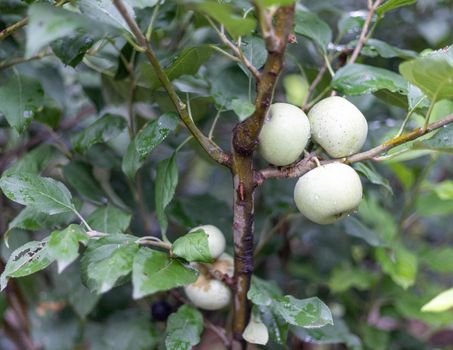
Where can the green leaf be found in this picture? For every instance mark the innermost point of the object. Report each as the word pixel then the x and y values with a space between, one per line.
pixel 165 186
pixel 129 329
pixel 20 98
pixel 33 220
pixel 444 190
pixel 105 12
pixel 330 334
pixel 63 245
pixel 35 161
pixel 262 292
pixel 355 228
pixel 268 3
pixel 40 193
pixel 107 260
pixel 346 277
pixel 382 221
pixel 311 26
pixel 187 62
pixel 223 13
pixel 399 263
pixel 359 79
pixel 102 130
pixel 437 259
pixel 309 313
pixel 184 328
pixel 154 132
pixel 155 271
pixel 109 219
pixel 375 47
pixel 193 246
pixel 393 4
pixel 242 108
pixel 72 48
pixel 131 161
pixel 441 141
pixel 371 174
pixel 254 50
pixel 277 326
pixel 79 176
pixel 25 260
pixel 47 23
pixel 442 302
pixel 432 73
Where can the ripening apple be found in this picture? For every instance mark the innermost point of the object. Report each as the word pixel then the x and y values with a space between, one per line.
pixel 216 239
pixel 338 126
pixel 328 193
pixel 284 134
pixel 208 293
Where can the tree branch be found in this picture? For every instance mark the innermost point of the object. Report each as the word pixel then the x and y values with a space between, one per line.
pixel 236 50
pixel 214 151
pixel 244 142
pixel 12 28
pixel 306 164
pixel 364 34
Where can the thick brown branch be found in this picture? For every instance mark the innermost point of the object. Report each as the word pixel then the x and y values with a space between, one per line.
pixel 243 145
pixel 214 151
pixel 307 164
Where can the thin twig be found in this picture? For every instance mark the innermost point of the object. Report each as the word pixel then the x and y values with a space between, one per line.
pixel 364 34
pixel 313 85
pixel 305 165
pixel 18 60
pixel 236 50
pixel 214 151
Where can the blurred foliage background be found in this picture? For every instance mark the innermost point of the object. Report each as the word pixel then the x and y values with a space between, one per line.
pixel 375 270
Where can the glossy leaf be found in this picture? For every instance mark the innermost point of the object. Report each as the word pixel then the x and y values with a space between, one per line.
pixel 25 260
pixel 193 246
pixel 309 313
pixel 432 73
pixel 393 4
pixel 355 228
pixel 105 12
pixel 155 271
pixel 102 130
pixel 48 23
pixel 441 141
pixel 254 49
pixel 184 328
pixel 40 193
pixel 109 219
pixel 141 4
pixel 373 176
pixel 311 26
pixel 107 260
pixel 359 79
pixel 154 133
pixel 346 277
pixel 262 292
pixel 375 47
pixel 165 186
pixel 71 49
pixel 33 220
pixel 20 98
pixel 63 245
pixel 242 108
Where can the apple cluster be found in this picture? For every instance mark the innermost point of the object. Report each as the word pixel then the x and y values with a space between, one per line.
pixel 331 191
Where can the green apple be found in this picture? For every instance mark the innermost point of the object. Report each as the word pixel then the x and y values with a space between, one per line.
pixel 338 126
pixel 284 134
pixel 328 193
pixel 216 239
pixel 256 331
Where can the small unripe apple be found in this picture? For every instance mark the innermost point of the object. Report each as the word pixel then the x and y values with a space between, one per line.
pixel 328 193
pixel 216 239
pixel 284 134
pixel 256 331
pixel 208 294
pixel 338 126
